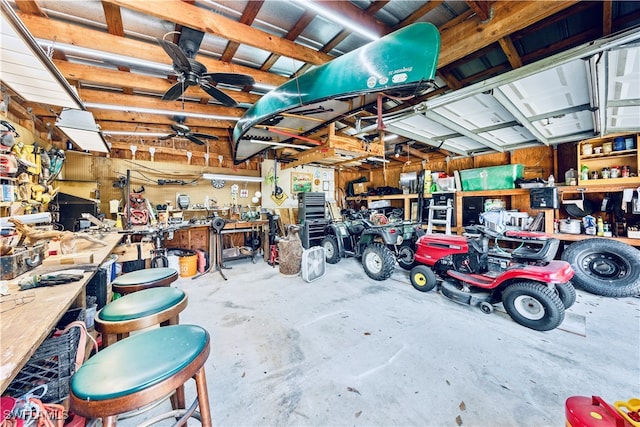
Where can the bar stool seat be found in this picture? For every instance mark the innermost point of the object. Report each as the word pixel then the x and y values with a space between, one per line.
pixel 139 310
pixel 141 370
pixel 144 279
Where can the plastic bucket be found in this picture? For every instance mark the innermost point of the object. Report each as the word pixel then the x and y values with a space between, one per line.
pixel 581 411
pixel 188 264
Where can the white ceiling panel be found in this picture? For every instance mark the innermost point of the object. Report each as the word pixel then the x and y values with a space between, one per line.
pixel 552 90
pixel 568 124
pixel 624 74
pixel 476 112
pixel 623 119
pixel 506 137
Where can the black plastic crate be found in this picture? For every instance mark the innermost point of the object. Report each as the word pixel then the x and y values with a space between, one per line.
pixel 52 364
pixel 97 287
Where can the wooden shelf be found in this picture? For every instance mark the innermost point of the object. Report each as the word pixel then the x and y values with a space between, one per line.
pixel 406 199
pixel 596 162
pixel 579 237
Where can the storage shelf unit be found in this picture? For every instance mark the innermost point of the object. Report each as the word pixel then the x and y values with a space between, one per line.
pixel 598 161
pixel 601 187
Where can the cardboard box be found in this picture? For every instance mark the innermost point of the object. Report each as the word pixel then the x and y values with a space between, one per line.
pixel 359 188
pixel 491 178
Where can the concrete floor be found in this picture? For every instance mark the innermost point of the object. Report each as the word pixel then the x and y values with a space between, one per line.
pixel 347 350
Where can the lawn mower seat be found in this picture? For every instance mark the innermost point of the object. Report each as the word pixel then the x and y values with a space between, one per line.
pixel 544 253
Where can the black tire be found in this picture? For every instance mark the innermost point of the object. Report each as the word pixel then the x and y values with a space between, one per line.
pixel 567 294
pixel 423 278
pixel 533 305
pixel 378 261
pixel 406 257
pixel 486 307
pixel 331 250
pixel 604 267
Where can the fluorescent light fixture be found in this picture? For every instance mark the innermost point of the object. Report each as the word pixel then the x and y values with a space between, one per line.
pixel 342 20
pixel 278 144
pixel 124 132
pixel 162 112
pixel 377 159
pixel 240 178
pixel 263 86
pixel 81 128
pixel 105 56
pixel 27 69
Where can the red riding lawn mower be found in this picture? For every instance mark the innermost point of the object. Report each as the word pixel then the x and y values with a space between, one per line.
pixel 486 267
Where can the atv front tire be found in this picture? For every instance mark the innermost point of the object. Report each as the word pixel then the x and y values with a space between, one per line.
pixel 378 261
pixel 533 305
pixel 423 278
pixel 331 250
pixel 604 267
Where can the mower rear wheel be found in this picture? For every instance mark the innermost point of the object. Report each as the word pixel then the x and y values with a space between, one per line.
pixel 533 305
pixel 567 294
pixel 423 278
pixel 378 261
pixel 331 250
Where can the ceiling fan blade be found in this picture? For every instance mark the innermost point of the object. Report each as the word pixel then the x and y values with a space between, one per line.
pixel 230 78
pixel 171 135
pixel 174 92
pixel 180 60
pixel 218 94
pixel 192 138
pixel 203 135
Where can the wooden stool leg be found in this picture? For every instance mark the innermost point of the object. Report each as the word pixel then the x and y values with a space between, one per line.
pixel 109 421
pixel 178 399
pixel 108 339
pixel 203 397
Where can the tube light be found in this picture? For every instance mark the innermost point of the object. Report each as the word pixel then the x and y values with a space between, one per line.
pixel 162 112
pixel 223 177
pixel 279 144
pixel 125 132
pixel 342 20
pixel 81 128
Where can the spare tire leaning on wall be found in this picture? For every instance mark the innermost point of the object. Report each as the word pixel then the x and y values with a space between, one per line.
pixel 605 267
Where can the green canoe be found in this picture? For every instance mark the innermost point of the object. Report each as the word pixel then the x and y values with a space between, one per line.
pixel 400 63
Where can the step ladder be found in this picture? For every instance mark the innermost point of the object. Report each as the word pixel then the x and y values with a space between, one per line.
pixel 446 222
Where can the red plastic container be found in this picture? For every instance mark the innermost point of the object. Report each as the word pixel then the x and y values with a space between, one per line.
pixel 582 411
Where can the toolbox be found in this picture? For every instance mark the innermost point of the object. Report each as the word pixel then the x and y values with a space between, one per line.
pixel 22 259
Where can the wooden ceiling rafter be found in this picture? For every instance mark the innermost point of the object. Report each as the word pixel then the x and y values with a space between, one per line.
pixel 64 32
pixel 209 22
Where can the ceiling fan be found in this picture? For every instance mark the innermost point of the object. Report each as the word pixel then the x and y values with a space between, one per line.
pixel 193 73
pixel 182 131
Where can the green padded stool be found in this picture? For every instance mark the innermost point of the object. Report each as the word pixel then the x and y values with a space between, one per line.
pixel 144 279
pixel 139 310
pixel 143 369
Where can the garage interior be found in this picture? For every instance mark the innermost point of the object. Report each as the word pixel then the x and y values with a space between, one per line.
pixel 201 151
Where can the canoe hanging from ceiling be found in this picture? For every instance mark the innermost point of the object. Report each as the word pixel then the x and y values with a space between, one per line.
pixel 401 63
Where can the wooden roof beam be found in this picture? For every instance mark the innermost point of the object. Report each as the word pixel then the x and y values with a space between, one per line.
pixel 62 32
pixel 508 17
pixel 200 19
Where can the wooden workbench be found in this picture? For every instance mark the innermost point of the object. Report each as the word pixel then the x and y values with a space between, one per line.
pixel 24 327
